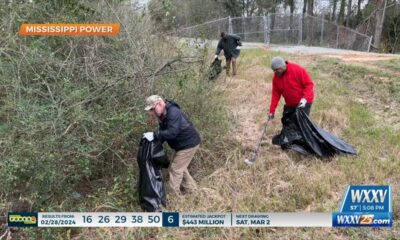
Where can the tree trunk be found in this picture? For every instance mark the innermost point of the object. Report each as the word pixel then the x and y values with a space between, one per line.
pixel 348 13
pixel 273 12
pixel 359 13
pixel 380 17
pixel 359 6
pixel 243 8
pixel 310 7
pixel 333 17
pixel 291 14
pixel 341 12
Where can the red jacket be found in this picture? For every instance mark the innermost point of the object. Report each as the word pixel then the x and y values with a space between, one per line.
pixel 293 85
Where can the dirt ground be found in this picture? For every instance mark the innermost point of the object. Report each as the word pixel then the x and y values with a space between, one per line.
pixel 345 55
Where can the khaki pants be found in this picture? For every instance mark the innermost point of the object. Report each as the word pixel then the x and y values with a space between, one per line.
pixel 179 175
pixel 228 65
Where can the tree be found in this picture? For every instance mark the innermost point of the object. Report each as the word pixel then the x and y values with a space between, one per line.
pixel 310 7
pixel 394 33
pixel 264 6
pixel 348 16
pixel 291 4
pixel 341 12
pixel 334 5
pixel 391 28
pixel 170 14
pixel 359 12
pixel 380 17
pixel 233 7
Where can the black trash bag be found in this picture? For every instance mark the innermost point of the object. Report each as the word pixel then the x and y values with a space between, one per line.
pixel 300 134
pixel 159 156
pixel 151 159
pixel 215 69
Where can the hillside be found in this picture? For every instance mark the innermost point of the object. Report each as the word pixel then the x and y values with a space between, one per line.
pixel 354 101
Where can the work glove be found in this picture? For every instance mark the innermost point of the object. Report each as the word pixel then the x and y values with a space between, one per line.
pixel 302 103
pixel 149 136
pixel 216 56
pixel 271 116
pixel 238 47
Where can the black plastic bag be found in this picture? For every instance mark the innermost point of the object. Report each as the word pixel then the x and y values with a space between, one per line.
pixel 158 155
pixel 300 134
pixel 151 159
pixel 215 69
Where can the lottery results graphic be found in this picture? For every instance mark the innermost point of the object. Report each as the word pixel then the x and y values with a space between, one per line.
pixel 362 206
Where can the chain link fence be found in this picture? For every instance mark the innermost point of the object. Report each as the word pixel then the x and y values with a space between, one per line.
pixel 282 29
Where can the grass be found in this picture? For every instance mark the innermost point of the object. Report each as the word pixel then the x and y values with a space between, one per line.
pixel 280 181
pixel 286 182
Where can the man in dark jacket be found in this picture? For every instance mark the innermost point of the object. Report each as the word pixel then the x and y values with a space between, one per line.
pixel 231 45
pixel 180 134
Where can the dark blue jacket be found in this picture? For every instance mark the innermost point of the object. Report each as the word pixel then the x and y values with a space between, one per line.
pixel 229 44
pixel 176 129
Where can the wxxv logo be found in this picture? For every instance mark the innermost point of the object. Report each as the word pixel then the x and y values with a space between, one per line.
pixel 23 219
pixel 365 206
pixel 366 220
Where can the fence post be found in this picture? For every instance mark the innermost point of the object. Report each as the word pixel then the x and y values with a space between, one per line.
pixel 369 45
pixel 265 29
pixel 267 38
pixel 269 22
pixel 244 28
pixel 286 30
pixel 322 30
pixel 337 36
pixel 300 29
pixel 230 30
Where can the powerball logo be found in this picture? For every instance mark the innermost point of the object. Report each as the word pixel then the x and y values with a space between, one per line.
pixel 365 206
pixel 24 219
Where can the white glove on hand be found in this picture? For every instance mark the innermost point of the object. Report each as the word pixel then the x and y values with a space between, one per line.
pixel 149 136
pixel 216 56
pixel 302 103
pixel 238 47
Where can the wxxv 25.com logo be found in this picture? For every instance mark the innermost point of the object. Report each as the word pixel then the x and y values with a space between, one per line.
pixel 369 206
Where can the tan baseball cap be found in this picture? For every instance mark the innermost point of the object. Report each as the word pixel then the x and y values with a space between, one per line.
pixel 151 101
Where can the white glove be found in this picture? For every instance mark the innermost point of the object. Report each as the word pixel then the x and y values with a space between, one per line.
pixel 238 47
pixel 302 103
pixel 271 116
pixel 149 136
pixel 216 56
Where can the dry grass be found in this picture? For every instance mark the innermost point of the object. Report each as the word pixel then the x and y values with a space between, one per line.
pixel 283 181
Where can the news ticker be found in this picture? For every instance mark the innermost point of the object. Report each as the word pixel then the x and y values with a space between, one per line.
pixel 362 206
pixel 200 219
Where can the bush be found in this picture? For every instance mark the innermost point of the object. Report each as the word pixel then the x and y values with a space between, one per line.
pixel 72 107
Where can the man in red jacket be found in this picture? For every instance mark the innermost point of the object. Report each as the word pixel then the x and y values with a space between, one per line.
pixel 293 83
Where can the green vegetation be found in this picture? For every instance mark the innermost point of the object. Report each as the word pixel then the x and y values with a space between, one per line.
pixel 71 108
pixel 71 117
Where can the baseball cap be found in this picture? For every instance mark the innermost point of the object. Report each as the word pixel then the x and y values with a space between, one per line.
pixel 151 101
pixel 277 62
